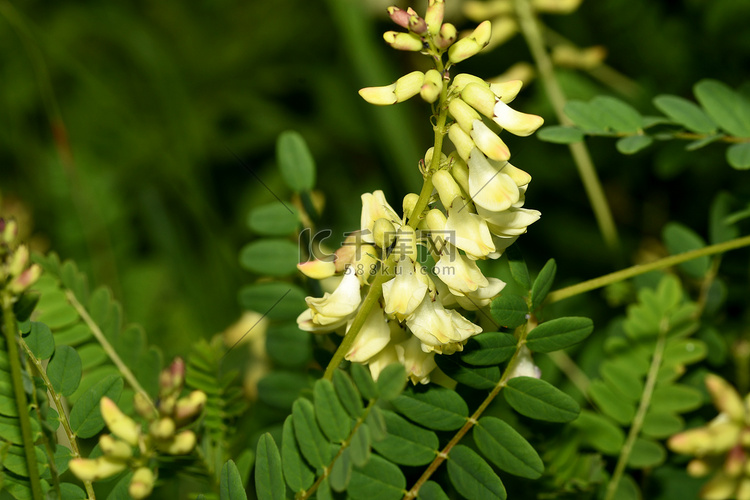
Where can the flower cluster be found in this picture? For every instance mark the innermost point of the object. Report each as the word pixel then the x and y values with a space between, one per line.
pixel 16 275
pixel 722 446
pixel 128 447
pixel 474 213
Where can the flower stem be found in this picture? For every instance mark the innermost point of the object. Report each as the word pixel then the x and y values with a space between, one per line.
pixel 10 328
pixel 579 151
pixel 630 272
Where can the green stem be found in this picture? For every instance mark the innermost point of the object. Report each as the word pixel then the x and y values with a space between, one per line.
pixel 640 416
pixel 11 328
pixel 442 455
pixel 63 418
pixel 579 151
pixel 630 272
pixel 108 349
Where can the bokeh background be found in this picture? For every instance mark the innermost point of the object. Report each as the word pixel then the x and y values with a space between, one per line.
pixel 127 131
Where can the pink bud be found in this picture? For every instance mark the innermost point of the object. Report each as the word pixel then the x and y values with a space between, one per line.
pixel 399 16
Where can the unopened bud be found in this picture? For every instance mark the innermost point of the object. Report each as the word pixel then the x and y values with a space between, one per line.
pixel 87 469
pixel 472 44
pixel 461 140
pixel 725 398
pixel 698 467
pixel 317 269
pixel 520 177
pixel 114 448
pixel 380 96
pixel 403 41
pixel 432 86
pixel 735 462
pixel 182 444
pixel 143 406
pixel 417 25
pixel 446 187
pixel 18 261
pixel 489 142
pixel 23 281
pixel 515 122
pixel 408 86
pixel 719 487
pixel 480 97
pixel 162 429
pixel 460 172
pixel 555 6
pixel 190 406
pixel 410 201
pixel 172 378
pixel 572 57
pixel 407 243
pixel 464 114
pixel 434 15
pixel 398 16
pixel 506 91
pixel 10 231
pixel 141 484
pixel 435 220
pixel 461 80
pixel 367 259
pixel 447 36
pixel 118 423
pixel 479 10
pixel 383 232
pixel 428 158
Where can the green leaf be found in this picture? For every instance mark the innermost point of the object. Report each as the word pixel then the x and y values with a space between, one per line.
pixel 599 432
pixel 478 377
pixel 646 453
pixel 378 480
pixel 360 446
pixel 685 113
pixel 506 448
pixel 288 346
pixel 612 403
pixel 675 398
pixel 627 489
pixel 472 476
pixel 280 389
pixel 661 425
pixel 92 355
pixel 406 443
pixel 620 376
pixel 431 491
pixel 509 310
pixel 489 349
pixel 363 379
pixel 560 134
pixel 64 370
pixel 540 400
pixel 586 117
pixel 295 161
pixel 436 408
pixel 729 110
pixel 269 476
pixel 684 352
pixel 341 472
pixel 518 268
pixel 543 283
pixel 678 239
pixel 85 417
pixel 312 443
pixel 391 381
pixel 297 474
pixel 40 340
pixel 738 156
pixel 347 393
pixel 633 143
pixel 275 299
pixel 619 115
pixel 559 333
pixel 274 219
pixel 719 229
pixel 72 492
pixel 702 143
pixel 376 423
pixel 271 257
pixel 331 415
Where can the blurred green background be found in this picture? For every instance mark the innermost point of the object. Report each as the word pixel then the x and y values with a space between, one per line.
pixel 124 128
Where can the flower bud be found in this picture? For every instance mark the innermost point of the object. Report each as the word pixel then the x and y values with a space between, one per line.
pixel 472 44
pixel 461 80
pixel 573 57
pixel 506 91
pixel 317 269
pixel 520 177
pixel 10 231
pixel 172 378
pixel 142 406
pixel 87 469
pixel 118 423
pixel 735 462
pixel 479 10
pixel 434 16
pixel 190 406
pixel 114 448
pixel 489 142
pixel 23 281
pixel 18 260
pixel 162 429
pixel 720 487
pixel 406 243
pixel 463 114
pixel 555 6
pixel 525 366
pixel 141 484
pixel 372 337
pixel 515 122
pixel 182 444
pixel 725 398
pixel 446 36
pixel 410 201
pixel 461 140
pixel 435 220
pixel 446 187
pixel 380 96
pixel 383 232
pixel 460 173
pixel 398 16
pixel 417 25
pixel 408 86
pixel 403 41
pixel 698 468
pixel 480 97
pixel 432 86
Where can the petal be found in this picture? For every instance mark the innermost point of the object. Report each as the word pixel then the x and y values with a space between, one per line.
pixel 372 338
pixel 489 187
